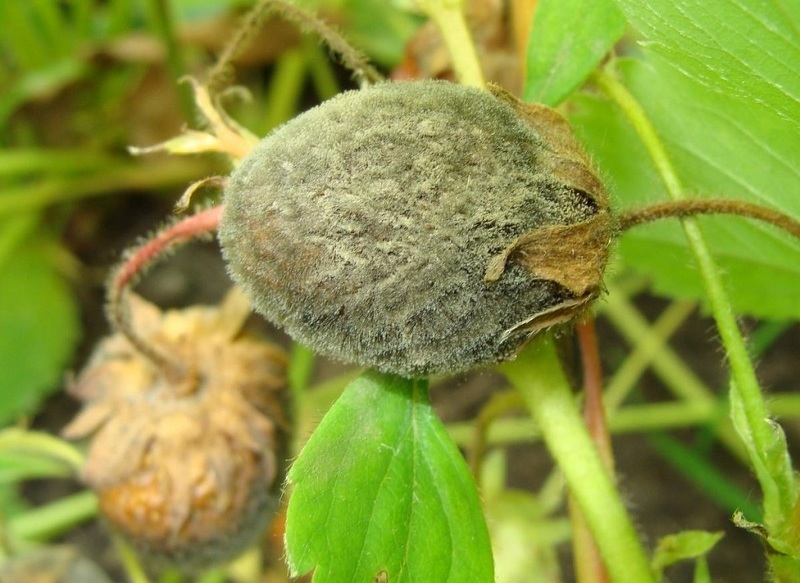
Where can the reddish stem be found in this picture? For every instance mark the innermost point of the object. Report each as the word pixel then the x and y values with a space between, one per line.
pixel 181 232
pixel 589 565
pixel 594 411
pixel 687 208
pixel 138 261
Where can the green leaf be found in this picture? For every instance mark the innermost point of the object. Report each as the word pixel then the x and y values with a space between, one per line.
pixel 380 28
pixel 688 544
pixel 722 148
pixel 722 95
pixel 382 492
pixel 568 39
pixel 38 330
pixel 773 468
pixel 748 50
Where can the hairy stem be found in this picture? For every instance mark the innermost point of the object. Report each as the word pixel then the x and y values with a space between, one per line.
pixel 138 261
pixel 254 20
pixel 748 407
pixel 538 375
pixel 688 208
pixel 449 18
pixel 588 563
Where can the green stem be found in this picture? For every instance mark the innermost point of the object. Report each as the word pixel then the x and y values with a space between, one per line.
pixel 130 562
pixel 285 88
pixel 499 404
pixel 663 416
pixel 139 176
pixel 323 77
pixel 27 47
pixel 82 18
pixel 41 445
pixel 119 16
pixel 538 375
pixel 51 25
pixel 449 17
pixel 750 413
pixel 785 405
pixel 213 576
pixel 170 575
pixel 628 419
pixel 645 350
pixel 301 367
pixel 164 24
pixel 15 230
pixel 22 161
pixel 50 520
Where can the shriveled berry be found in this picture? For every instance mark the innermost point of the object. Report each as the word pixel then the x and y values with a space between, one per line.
pixel 187 465
pixel 418 227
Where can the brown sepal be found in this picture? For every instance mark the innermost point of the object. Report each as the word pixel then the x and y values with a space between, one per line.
pixel 568 160
pixel 572 255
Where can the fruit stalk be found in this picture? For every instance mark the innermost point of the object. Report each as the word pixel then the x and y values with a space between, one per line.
pixel 138 261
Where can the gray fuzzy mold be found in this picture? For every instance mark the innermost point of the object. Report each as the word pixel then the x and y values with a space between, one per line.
pixel 364 226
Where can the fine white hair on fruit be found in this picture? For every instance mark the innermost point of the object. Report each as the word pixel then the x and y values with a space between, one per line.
pixel 365 227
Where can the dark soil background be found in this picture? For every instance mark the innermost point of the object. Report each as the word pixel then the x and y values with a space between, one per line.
pixel 659 497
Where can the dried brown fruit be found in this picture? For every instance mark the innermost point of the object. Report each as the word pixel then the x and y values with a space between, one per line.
pixel 418 228
pixel 187 464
